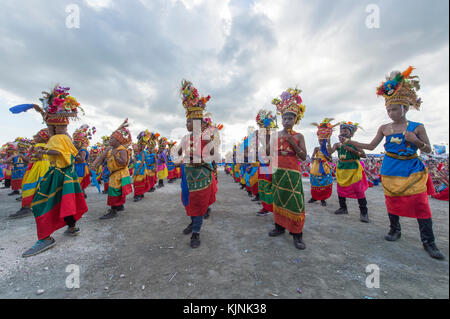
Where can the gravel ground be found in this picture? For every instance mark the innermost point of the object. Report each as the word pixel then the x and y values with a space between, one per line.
pixel 143 253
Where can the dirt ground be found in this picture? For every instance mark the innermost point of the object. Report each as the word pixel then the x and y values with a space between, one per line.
pixel 143 253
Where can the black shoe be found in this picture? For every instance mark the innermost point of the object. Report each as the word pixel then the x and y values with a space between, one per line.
pixel 341 211
pixel 298 242
pixel 256 198
pixel 262 212
pixel 393 235
pixel 72 232
pixel 137 198
pixel 19 199
pixel 249 194
pixel 242 186
pixel 433 251
pixel 104 192
pixel 85 196
pixel 111 214
pixel 171 180
pixel 323 203
pixel 23 212
pixel 120 208
pixel 151 190
pixel 312 200
pixel 276 232
pixel 206 216
pixel 14 193
pixel 188 229
pixel 195 240
pixel 364 218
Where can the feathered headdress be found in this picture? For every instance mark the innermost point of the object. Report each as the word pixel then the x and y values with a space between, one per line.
pixel 57 106
pixel 171 144
pixel 83 134
pixel 162 143
pixel 122 134
pixel 353 127
pixel 401 88
pixel 153 141
pixel 144 137
pixel 192 102
pixel 290 102
pixel 325 128
pixel 265 119
pixel 96 150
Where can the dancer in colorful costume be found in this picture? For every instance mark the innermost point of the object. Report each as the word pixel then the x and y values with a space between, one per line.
pixel 288 197
pixel 171 168
pixel 198 182
pixel 351 177
pixel 37 168
pixel 151 161
pixel 96 175
pixel 265 121
pixel 117 157
pixel 18 162
pixel 321 177
pixel 161 161
pixel 59 199
pixel 9 150
pixel 141 181
pixel 81 138
pixel 405 179
pixel 105 171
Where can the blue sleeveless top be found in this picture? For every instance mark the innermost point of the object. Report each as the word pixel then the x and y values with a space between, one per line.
pixel 139 159
pixel 396 144
pixel 80 167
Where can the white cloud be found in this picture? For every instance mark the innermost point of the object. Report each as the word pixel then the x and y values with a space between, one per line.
pixel 99 4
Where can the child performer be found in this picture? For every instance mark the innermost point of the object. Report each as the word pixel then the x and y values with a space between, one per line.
pixel 405 178
pixel 265 121
pixel 288 197
pixel 141 180
pixel 171 168
pixel 59 199
pixel 161 160
pixel 197 185
pixel 117 158
pixel 151 161
pixel 350 175
pixel 81 139
pixel 320 176
pixel 105 171
pixel 37 168
pixel 19 163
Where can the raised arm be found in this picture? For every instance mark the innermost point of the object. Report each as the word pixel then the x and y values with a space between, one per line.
pixel 100 159
pixel 331 149
pixel 372 145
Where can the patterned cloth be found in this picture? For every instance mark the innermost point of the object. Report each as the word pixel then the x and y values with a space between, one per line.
pixel 288 197
pixel 119 185
pixel 59 193
pixel 350 175
pixel 321 178
pixel 405 179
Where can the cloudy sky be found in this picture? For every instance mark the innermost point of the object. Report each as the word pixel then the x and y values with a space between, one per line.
pixel 128 57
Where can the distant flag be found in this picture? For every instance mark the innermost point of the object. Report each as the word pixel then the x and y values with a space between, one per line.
pixel 439 149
